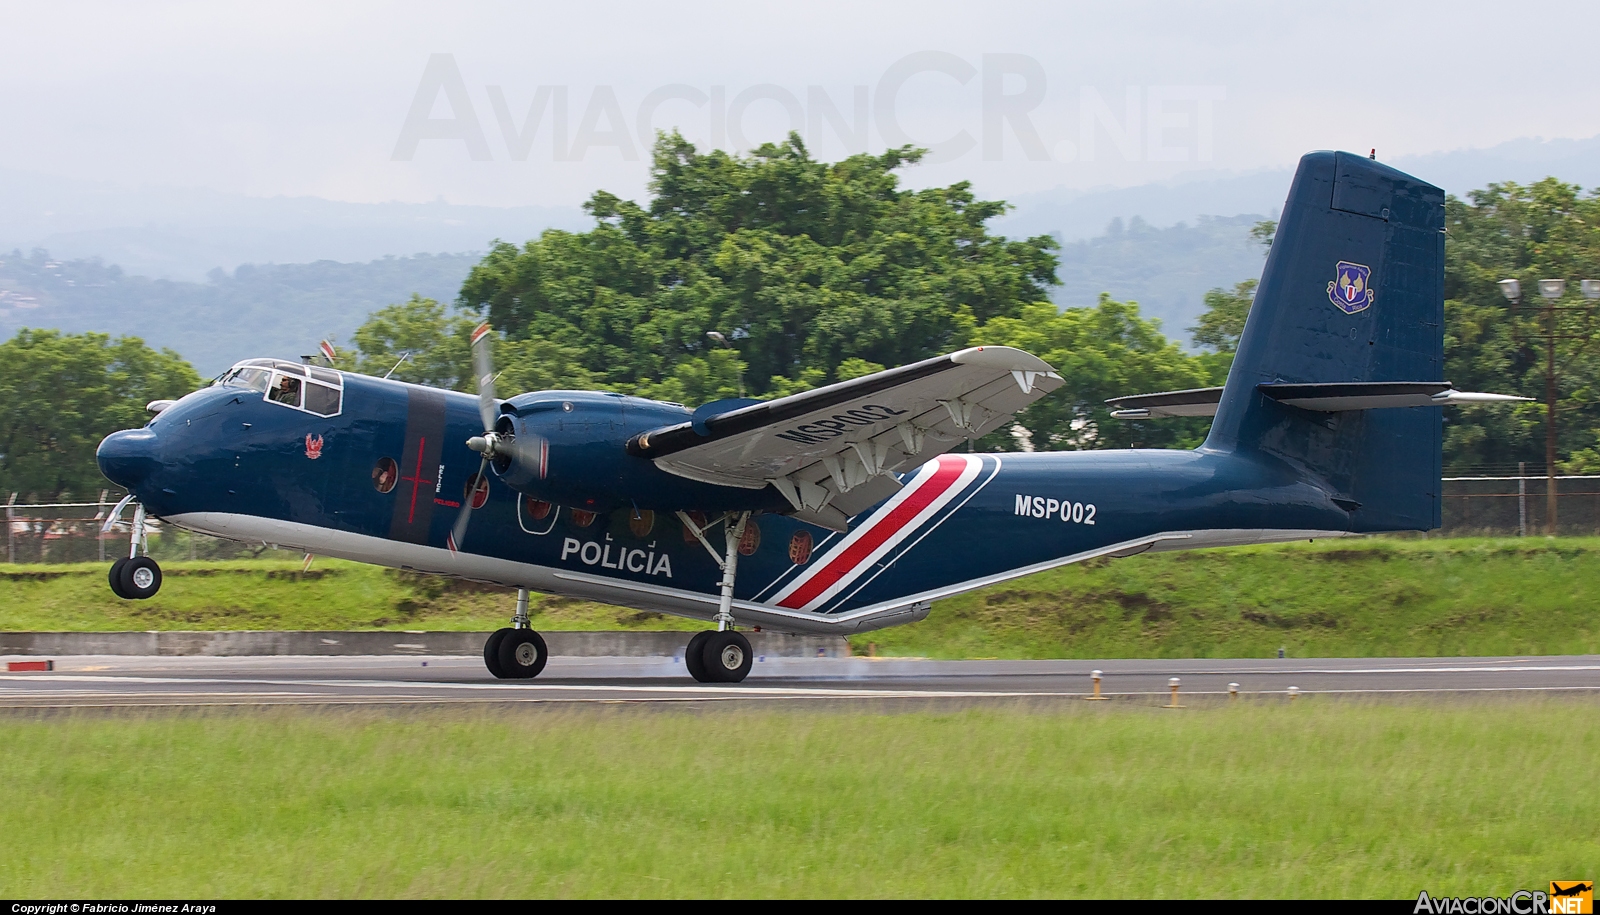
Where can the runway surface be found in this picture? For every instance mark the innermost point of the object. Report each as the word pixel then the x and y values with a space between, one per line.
pixel 197 681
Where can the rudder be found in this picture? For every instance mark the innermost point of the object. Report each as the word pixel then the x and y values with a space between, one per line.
pixel 1352 291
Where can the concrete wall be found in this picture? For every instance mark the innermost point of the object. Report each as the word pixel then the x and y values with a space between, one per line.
pixel 239 644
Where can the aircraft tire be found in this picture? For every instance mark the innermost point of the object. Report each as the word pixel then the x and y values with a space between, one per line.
pixel 522 654
pixel 727 657
pixel 140 578
pixel 115 577
pixel 491 652
pixel 694 658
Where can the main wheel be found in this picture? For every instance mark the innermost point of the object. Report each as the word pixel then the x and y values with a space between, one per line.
pixel 140 578
pixel 116 577
pixel 727 657
pixel 491 652
pixel 522 654
pixel 694 659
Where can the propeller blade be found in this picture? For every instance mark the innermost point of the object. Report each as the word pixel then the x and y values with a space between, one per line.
pixel 459 532
pixel 483 365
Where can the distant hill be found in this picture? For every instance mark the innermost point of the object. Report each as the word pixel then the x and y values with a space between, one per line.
pixel 1167 271
pixel 184 233
pixel 271 310
pixel 1160 245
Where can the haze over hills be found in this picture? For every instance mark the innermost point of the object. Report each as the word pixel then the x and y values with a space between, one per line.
pixel 270 310
pixel 221 276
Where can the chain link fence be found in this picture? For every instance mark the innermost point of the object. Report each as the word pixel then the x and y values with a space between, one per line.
pixel 1519 505
pixel 71 532
pixel 1486 506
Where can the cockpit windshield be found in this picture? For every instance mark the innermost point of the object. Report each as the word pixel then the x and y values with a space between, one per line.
pixel 286 383
pixel 250 377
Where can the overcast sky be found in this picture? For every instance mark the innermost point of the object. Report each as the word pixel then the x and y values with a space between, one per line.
pixel 346 100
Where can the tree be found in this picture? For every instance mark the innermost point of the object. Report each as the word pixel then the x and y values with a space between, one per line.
pixel 63 393
pixel 801 265
pixel 437 351
pixel 1510 231
pixel 1220 325
pixel 1102 352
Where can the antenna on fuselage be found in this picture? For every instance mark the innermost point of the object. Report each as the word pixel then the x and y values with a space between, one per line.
pixel 403 357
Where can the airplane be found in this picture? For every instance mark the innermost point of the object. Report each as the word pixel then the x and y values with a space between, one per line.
pixel 849 507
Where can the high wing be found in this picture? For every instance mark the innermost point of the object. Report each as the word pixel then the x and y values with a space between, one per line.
pixel 831 451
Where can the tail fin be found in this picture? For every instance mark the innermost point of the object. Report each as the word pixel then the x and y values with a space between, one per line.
pixel 1353 291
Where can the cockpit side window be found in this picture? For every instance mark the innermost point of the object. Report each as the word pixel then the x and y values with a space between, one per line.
pixel 285 390
pixel 322 399
pixel 313 389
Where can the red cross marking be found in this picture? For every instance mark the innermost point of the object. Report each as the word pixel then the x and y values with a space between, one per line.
pixel 416 480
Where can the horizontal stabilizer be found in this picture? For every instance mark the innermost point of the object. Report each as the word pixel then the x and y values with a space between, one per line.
pixel 1376 395
pixel 1336 397
pixel 1191 402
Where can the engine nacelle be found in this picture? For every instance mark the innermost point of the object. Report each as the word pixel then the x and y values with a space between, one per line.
pixel 570 448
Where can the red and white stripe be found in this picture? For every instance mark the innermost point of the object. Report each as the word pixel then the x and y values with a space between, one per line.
pixel 936 484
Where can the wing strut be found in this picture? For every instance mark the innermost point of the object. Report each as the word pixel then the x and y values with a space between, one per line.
pixel 728 561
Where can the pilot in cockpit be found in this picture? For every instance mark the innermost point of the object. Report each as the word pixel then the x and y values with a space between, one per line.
pixel 287 391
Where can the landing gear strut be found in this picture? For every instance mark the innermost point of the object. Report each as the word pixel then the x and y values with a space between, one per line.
pixel 517 652
pixel 723 656
pixel 134 577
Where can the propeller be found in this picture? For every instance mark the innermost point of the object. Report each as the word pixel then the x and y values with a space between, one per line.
pixel 498 443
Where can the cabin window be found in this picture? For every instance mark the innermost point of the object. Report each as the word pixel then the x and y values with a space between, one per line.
pixel 385 474
pixel 285 390
pixel 321 399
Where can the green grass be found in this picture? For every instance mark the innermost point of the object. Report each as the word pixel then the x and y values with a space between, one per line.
pixel 275 594
pixel 1259 799
pixel 1363 598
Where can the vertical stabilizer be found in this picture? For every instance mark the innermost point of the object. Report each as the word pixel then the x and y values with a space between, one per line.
pixel 1353 290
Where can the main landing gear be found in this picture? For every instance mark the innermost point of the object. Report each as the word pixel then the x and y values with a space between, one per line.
pixel 516 653
pixel 723 656
pixel 133 577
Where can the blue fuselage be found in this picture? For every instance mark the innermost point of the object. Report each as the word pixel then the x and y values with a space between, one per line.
pixel 383 481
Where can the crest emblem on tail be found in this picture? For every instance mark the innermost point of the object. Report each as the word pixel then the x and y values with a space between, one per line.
pixel 1352 290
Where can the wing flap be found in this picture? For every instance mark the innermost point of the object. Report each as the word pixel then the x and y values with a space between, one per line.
pixel 835 446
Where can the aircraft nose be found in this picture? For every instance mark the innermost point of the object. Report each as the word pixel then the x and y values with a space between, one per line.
pixel 128 457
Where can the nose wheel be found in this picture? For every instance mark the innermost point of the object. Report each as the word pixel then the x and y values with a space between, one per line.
pixel 133 577
pixel 138 578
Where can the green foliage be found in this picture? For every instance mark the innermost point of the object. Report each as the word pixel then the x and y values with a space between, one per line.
pixel 437 351
pixel 1222 322
pixel 803 265
pixel 62 393
pixel 1510 231
pixel 1264 231
pixel 1101 352
pixel 1258 799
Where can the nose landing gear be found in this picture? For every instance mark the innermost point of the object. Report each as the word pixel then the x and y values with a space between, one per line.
pixel 517 652
pixel 133 577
